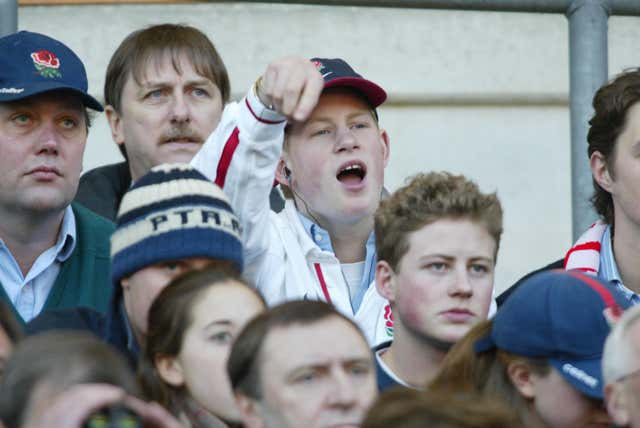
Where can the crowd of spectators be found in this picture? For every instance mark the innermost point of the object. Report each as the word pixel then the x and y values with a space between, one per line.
pixel 244 266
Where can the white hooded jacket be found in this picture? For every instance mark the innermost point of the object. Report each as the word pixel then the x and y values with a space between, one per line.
pixel 281 259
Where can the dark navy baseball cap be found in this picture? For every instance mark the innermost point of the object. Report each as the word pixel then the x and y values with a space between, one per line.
pixel 32 63
pixel 563 317
pixel 337 73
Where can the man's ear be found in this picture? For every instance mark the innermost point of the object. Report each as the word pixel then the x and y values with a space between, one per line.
pixel 281 175
pixel 115 123
pixel 169 369
pixel 616 402
pixel 385 281
pixel 250 411
pixel 386 144
pixel 522 378
pixel 600 171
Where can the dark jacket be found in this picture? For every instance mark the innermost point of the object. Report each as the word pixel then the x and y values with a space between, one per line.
pixel 102 189
pixel 84 278
pixel 112 327
pixel 558 264
pixel 384 380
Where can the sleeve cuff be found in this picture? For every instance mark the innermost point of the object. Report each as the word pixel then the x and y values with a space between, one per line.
pixel 261 112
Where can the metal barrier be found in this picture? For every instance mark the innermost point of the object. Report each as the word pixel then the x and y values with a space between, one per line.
pixel 8 16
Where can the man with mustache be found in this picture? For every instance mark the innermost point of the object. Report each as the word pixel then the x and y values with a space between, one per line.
pixel 165 89
pixel 53 254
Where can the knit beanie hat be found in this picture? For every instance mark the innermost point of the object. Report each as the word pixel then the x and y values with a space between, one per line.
pixel 173 212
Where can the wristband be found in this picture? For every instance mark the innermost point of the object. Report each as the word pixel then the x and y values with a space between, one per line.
pixel 256 90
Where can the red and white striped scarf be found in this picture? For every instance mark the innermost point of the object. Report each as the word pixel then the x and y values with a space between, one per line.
pixel 585 253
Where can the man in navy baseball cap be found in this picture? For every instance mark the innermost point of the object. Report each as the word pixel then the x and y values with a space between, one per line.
pixel 32 63
pixel 52 254
pixel 563 317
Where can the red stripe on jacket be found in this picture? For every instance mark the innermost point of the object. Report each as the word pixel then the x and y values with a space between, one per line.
pixel 227 154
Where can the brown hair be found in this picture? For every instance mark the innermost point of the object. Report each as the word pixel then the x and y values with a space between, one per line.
pixel 407 408
pixel 151 44
pixel 139 47
pixel 611 104
pixel 485 373
pixel 170 316
pixel 426 199
pixel 244 361
pixel 60 359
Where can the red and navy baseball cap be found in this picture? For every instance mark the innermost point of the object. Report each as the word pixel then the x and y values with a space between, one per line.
pixel 563 317
pixel 32 63
pixel 336 72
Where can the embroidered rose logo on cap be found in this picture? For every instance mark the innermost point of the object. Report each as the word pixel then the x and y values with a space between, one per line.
pixel 46 63
pixel 318 65
pixel 32 64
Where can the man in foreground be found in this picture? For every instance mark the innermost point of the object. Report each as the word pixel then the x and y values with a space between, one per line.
pixel 282 379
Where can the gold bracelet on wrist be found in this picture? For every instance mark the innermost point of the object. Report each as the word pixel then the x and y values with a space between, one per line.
pixel 256 90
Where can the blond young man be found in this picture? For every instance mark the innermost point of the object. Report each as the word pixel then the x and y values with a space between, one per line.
pixel 437 240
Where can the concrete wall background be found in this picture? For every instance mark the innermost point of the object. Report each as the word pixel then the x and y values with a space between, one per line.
pixel 484 94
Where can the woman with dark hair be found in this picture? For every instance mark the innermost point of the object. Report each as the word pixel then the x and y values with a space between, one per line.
pixel 541 353
pixel 192 324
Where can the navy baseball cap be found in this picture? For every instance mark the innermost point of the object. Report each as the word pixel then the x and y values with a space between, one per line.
pixel 336 72
pixel 32 63
pixel 564 317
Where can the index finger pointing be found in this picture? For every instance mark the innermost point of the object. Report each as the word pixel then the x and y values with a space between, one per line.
pixel 310 96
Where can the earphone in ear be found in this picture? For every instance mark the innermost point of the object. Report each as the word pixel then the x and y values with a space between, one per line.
pixel 287 176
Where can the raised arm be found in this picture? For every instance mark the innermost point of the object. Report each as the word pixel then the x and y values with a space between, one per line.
pixel 242 154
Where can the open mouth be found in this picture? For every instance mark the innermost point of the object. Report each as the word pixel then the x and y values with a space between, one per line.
pixel 352 173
